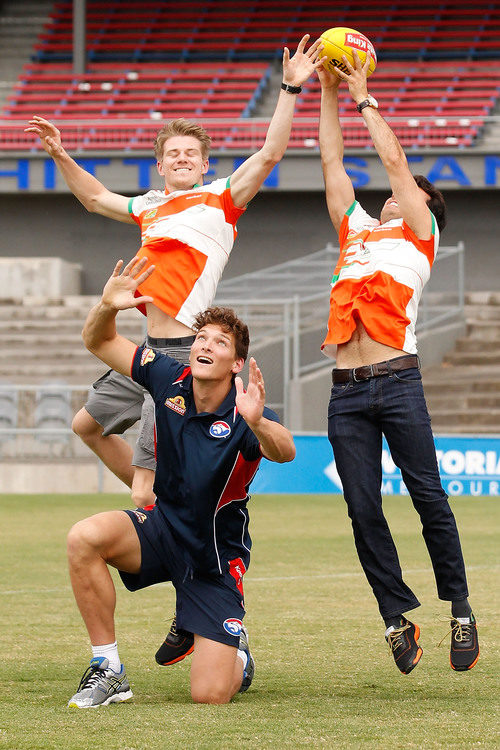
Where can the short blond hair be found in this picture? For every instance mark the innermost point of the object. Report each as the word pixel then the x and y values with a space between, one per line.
pixel 181 126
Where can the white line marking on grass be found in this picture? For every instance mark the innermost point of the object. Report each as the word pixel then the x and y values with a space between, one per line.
pixel 264 579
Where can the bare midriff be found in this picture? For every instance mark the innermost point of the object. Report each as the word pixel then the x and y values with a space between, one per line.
pixel 363 350
pixel 163 326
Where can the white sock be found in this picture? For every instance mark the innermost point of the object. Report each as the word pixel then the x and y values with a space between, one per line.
pixel 243 656
pixel 110 652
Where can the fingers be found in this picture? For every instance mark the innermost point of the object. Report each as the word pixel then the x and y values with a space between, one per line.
pixel 141 301
pixel 147 273
pixel 286 56
pixel 301 45
pixel 238 382
pixel 116 270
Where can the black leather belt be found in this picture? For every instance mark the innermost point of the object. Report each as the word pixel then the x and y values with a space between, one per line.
pixel 406 362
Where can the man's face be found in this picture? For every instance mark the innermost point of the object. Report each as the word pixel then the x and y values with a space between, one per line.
pixel 391 210
pixel 182 164
pixel 213 354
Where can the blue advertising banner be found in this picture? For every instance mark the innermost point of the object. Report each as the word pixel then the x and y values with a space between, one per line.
pixel 469 465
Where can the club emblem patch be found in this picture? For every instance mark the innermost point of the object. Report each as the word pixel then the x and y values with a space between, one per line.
pixel 147 356
pixel 220 429
pixel 141 517
pixel 232 626
pixel 177 404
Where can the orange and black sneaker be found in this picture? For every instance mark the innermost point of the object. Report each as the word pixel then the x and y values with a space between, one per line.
pixel 464 651
pixel 177 645
pixel 403 644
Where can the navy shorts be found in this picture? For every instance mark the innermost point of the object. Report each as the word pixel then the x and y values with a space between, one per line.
pixel 211 606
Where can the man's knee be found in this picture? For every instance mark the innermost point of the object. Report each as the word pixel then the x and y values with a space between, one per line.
pixel 82 540
pixel 85 426
pixel 211 693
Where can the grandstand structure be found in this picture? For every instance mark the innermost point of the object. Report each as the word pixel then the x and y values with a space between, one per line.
pixel 438 84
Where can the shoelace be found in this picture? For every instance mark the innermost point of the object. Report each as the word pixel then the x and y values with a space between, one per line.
pixel 459 632
pixel 395 639
pixel 90 677
pixel 173 627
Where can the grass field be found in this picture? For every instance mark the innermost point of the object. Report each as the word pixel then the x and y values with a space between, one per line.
pixel 324 677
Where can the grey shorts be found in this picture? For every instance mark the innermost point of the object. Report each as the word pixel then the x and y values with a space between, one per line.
pixel 117 403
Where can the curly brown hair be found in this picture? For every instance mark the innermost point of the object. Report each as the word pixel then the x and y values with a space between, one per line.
pixel 227 319
pixel 436 203
pixel 181 126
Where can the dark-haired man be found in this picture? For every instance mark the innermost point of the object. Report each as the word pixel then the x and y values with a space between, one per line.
pixel 211 436
pixel 377 388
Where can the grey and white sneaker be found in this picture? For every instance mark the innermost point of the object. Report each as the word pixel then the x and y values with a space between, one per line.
pixel 250 667
pixel 100 686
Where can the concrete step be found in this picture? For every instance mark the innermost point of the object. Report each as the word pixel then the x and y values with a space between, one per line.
pixel 470 429
pixel 461 386
pixel 482 312
pixel 35 344
pixel 476 344
pixel 463 401
pixel 477 359
pixel 31 373
pixel 487 330
pixel 482 298
pixel 465 417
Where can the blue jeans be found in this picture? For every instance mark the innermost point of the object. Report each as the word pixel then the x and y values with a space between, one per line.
pixel 359 413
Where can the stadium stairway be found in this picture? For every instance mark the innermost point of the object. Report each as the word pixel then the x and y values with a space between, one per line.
pixel 463 392
pixel 21 21
pixel 40 340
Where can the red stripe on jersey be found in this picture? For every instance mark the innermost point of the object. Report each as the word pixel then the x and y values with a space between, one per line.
pixel 239 479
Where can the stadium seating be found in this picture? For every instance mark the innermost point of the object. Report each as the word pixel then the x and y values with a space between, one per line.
pixel 120 30
pixel 215 62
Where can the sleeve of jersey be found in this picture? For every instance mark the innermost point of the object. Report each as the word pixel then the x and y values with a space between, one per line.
pixel 428 247
pixel 136 206
pixel 355 220
pixel 152 369
pixel 231 212
pixel 250 449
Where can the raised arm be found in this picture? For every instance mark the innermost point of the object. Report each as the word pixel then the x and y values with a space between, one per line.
pixel 276 442
pixel 99 332
pixel 338 186
pixel 89 191
pixel 411 199
pixel 248 178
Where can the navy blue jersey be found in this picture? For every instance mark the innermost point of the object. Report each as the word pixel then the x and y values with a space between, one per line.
pixel 205 463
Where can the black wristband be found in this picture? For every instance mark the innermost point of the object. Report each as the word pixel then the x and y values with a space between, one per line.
pixel 291 89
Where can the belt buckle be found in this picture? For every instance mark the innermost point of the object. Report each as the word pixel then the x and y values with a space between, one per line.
pixel 372 373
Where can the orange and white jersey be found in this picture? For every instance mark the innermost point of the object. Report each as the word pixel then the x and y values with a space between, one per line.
pixel 188 235
pixel 378 280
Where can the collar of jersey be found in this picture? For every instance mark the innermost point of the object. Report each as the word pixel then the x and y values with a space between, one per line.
pixel 182 191
pixel 227 405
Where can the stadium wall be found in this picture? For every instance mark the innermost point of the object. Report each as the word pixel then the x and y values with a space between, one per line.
pixel 278 226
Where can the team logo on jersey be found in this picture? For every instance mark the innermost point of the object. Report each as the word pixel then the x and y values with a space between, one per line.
pixel 233 626
pixel 177 404
pixel 141 517
pixel 220 429
pixel 150 214
pixel 147 356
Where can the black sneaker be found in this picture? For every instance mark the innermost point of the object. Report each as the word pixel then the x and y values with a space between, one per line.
pixel 464 651
pixel 249 670
pixel 177 645
pixel 403 644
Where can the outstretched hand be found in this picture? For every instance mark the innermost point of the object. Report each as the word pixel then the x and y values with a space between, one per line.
pixel 297 69
pixel 250 403
pixel 48 133
pixel 356 79
pixel 120 288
